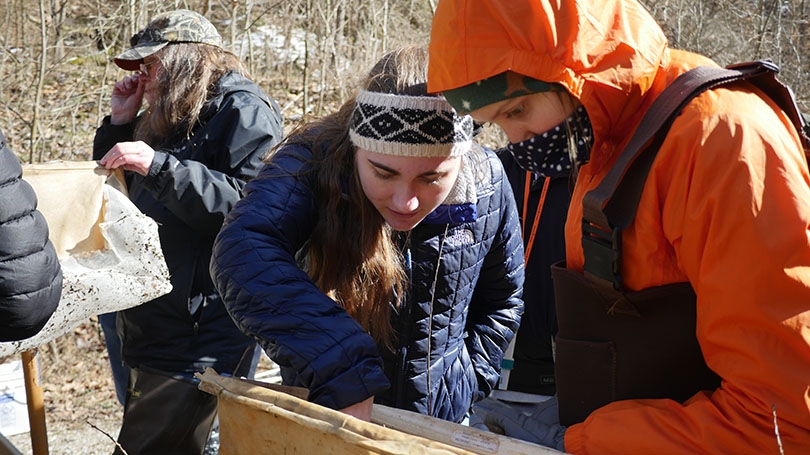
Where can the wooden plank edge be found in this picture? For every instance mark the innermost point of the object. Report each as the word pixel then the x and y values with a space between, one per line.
pixel 365 434
pixel 469 438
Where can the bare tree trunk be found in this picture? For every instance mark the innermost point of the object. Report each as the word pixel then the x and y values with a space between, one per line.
pixel 43 60
pixel 22 42
pixel 766 12
pixel 803 29
pixel 307 25
pixel 248 37
pixel 385 26
pixel 342 51
pixel 132 22
pixel 234 8
pixel 144 13
pixel 6 19
pixel 326 10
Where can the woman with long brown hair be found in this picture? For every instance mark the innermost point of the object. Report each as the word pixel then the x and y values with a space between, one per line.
pixel 203 133
pixel 378 257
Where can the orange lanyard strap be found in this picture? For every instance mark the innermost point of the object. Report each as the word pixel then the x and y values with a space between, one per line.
pixel 536 214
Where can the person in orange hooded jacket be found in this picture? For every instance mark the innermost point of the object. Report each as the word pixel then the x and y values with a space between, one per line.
pixel 725 208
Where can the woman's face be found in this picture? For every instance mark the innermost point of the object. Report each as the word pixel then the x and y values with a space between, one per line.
pixel 148 75
pixel 524 117
pixel 405 189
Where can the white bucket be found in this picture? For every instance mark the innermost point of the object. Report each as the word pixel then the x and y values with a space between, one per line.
pixel 13 407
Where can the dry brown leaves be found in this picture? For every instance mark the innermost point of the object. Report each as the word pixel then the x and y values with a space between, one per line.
pixel 75 377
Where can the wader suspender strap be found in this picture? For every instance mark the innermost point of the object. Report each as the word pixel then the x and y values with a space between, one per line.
pixel 543 193
pixel 610 208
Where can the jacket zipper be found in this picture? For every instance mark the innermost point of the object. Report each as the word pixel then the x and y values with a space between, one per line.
pixel 405 317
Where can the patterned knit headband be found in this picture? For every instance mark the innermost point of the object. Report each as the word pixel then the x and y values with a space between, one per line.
pixel 419 126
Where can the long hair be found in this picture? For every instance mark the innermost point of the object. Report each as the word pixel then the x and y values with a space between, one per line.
pixel 190 72
pixel 352 256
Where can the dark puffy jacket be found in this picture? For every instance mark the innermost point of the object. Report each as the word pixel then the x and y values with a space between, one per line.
pixel 191 186
pixel 476 307
pixel 533 370
pixel 30 274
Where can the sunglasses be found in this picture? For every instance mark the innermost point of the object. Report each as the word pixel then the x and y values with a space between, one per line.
pixel 144 67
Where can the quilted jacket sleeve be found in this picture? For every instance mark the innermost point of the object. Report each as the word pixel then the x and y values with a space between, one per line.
pixel 271 299
pixel 497 304
pixel 30 274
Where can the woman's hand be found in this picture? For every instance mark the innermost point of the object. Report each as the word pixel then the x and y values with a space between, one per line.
pixel 132 156
pixel 361 410
pixel 126 100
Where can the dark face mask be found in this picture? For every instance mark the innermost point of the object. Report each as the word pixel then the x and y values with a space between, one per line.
pixel 547 153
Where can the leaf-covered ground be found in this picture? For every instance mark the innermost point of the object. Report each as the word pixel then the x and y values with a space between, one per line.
pixel 81 412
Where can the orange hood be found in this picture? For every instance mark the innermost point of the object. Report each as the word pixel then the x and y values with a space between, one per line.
pixel 577 44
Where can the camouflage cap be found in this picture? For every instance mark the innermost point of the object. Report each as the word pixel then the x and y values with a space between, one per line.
pixel 179 26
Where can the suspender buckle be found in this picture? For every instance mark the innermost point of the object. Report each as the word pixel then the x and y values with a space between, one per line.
pixel 603 253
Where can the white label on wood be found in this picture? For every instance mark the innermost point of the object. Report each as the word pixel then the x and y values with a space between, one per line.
pixel 475 440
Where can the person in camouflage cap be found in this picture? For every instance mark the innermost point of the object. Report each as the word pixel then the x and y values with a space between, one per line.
pixel 189 128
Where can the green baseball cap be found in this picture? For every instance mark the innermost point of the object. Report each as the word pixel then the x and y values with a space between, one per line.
pixel 493 89
pixel 179 26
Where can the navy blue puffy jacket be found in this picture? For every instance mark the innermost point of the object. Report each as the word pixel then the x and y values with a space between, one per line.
pixel 476 309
